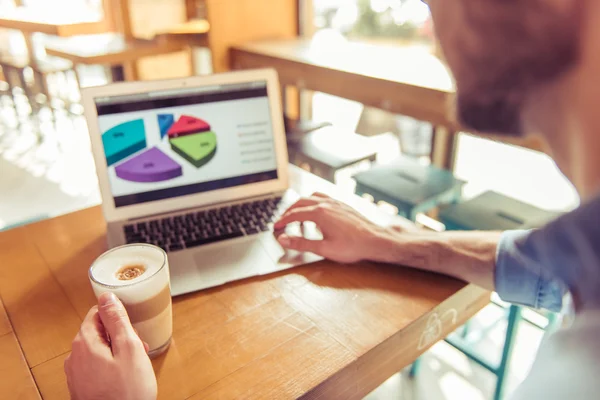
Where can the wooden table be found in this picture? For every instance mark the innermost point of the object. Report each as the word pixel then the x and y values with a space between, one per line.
pixel 403 80
pixel 17 381
pixel 52 21
pixel 407 80
pixel 109 49
pixel 317 331
pixel 190 34
pixel 193 33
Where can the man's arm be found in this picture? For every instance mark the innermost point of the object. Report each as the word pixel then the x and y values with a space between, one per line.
pixel 469 256
pixel 491 260
pixel 349 237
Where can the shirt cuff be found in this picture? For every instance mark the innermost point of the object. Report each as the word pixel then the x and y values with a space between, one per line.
pixel 519 281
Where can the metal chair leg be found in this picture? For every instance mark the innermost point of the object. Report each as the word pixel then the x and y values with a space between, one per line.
pixel 414 368
pixel 465 329
pixel 514 316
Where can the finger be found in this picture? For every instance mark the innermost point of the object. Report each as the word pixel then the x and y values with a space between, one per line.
pixel 299 215
pixel 67 368
pixel 115 320
pixel 67 364
pixel 300 244
pixel 146 346
pixel 92 330
pixel 303 202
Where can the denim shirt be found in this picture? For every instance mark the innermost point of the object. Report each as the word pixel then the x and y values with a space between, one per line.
pixel 519 280
pixel 536 269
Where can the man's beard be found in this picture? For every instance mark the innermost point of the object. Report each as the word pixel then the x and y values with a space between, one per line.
pixel 517 52
pixel 494 114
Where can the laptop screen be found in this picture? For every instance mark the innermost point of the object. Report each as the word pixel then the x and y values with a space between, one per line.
pixel 174 143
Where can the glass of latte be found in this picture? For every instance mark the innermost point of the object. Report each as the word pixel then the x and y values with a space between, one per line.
pixel 138 274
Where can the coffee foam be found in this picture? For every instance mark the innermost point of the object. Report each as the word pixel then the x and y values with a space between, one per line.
pixel 152 281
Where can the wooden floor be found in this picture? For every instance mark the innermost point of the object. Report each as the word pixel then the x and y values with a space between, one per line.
pixel 46 165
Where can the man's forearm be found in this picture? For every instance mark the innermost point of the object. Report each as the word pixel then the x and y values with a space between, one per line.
pixel 470 256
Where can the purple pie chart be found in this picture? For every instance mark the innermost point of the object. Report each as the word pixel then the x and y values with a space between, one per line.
pixel 150 166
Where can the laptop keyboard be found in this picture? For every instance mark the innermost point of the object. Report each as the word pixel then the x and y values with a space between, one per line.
pixel 208 226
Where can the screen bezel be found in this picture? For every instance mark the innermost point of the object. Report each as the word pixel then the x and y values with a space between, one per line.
pixel 112 213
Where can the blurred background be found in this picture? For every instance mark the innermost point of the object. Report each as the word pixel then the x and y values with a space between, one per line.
pixel 324 50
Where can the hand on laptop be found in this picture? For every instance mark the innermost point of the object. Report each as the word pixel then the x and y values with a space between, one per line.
pixel 119 369
pixel 347 236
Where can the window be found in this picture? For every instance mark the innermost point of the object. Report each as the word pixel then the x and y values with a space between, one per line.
pixel 385 20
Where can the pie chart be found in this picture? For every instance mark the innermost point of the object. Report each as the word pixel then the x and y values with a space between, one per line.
pixel 123 140
pixel 150 166
pixel 187 125
pixel 192 139
pixel 190 142
pixel 198 149
pixel 165 121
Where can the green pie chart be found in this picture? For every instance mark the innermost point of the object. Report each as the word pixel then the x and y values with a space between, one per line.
pixel 197 149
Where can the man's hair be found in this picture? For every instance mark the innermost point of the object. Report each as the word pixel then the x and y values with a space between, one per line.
pixel 515 46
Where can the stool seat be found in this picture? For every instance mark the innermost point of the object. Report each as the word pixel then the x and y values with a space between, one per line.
pixel 409 186
pixel 296 129
pixel 493 211
pixel 328 149
pixel 51 65
pixel 13 62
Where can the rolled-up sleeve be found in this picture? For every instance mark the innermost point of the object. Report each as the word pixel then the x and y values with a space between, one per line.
pixel 520 281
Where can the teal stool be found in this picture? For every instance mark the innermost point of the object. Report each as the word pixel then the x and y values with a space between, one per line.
pixel 326 150
pixel 409 186
pixel 493 211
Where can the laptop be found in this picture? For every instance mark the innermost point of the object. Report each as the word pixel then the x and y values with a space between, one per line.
pixel 199 167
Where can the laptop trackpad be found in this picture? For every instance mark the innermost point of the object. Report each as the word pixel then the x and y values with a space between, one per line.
pixel 231 262
pixel 284 259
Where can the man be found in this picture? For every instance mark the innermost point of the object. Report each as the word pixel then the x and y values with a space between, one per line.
pixel 520 66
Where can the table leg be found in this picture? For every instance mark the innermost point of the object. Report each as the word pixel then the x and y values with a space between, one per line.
pixel 306 104
pixel 284 101
pixel 193 64
pixel 292 102
pixel 30 48
pixel 443 147
pixel 124 72
pixel 117 73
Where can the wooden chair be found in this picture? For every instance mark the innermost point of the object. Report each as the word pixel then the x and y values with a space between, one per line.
pixel 44 70
pixel 14 69
pixel 13 73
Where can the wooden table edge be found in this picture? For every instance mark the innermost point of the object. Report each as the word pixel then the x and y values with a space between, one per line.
pixel 244 51
pixel 117 57
pixel 184 39
pixel 62 30
pixel 244 58
pixel 347 382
